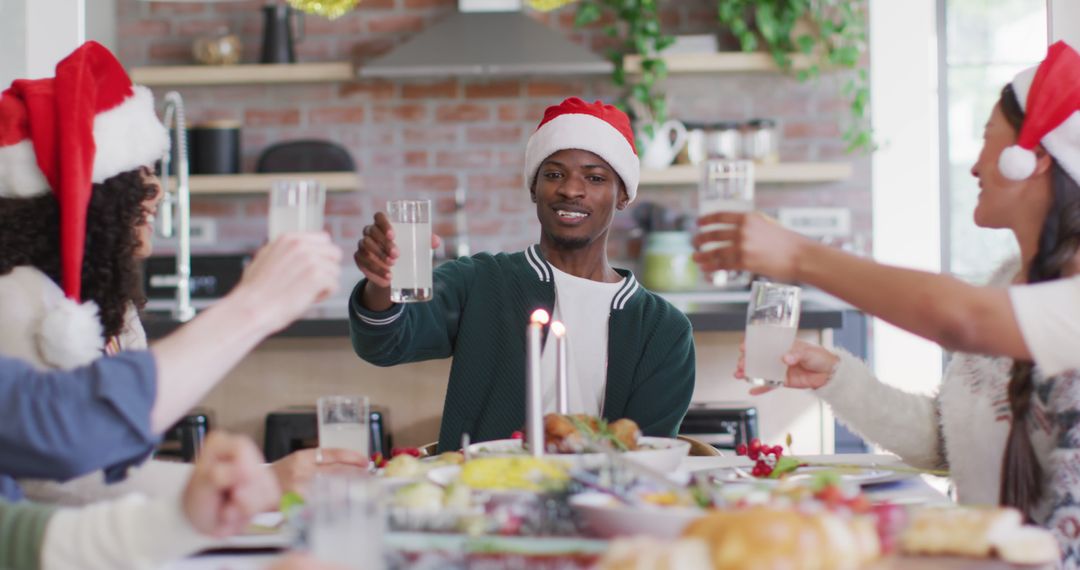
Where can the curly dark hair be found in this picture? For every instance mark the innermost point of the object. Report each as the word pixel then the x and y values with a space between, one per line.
pixel 111 275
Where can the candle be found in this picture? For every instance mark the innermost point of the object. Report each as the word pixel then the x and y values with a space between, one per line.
pixel 562 397
pixel 534 412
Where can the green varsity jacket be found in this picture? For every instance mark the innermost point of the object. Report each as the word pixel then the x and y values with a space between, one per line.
pixel 478 316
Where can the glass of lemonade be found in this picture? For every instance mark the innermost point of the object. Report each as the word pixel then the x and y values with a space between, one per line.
pixel 296 206
pixel 347 519
pixel 410 277
pixel 726 186
pixel 344 423
pixel 771 322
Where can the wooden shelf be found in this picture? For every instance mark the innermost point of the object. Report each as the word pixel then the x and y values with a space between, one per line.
pixel 782 173
pixel 210 184
pixel 722 62
pixel 243 74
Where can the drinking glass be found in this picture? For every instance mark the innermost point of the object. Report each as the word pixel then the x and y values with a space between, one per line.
pixel 347 519
pixel 410 277
pixel 344 423
pixel 296 206
pixel 726 186
pixel 771 322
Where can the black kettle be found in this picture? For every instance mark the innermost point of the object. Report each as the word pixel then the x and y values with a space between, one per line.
pixel 277 46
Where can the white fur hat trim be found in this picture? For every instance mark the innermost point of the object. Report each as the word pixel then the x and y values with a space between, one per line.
pixel 70 334
pixel 1016 162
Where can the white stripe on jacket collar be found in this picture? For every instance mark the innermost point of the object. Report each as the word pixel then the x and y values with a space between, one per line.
pixel 544 273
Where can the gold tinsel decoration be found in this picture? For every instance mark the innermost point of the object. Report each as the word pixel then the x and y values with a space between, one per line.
pixel 548 5
pixel 331 9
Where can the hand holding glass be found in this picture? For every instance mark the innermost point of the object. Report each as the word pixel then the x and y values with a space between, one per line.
pixel 411 274
pixel 296 206
pixel 772 319
pixel 726 186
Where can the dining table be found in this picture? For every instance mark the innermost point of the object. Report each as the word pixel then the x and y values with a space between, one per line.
pixel 916 489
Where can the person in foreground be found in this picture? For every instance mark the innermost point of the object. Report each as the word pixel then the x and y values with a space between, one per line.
pixel 630 353
pixel 77 200
pixel 227 487
pixel 1036 321
pixel 1006 430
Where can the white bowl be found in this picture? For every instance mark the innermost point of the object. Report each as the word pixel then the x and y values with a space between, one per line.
pixel 606 517
pixel 663 454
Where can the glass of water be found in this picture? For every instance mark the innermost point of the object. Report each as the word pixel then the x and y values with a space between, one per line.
pixel 726 186
pixel 771 322
pixel 347 519
pixel 296 206
pixel 411 277
pixel 344 423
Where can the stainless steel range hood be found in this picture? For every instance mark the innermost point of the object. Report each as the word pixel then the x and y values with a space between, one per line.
pixel 500 42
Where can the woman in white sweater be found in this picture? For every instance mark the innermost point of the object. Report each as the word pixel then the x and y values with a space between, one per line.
pixel 1008 433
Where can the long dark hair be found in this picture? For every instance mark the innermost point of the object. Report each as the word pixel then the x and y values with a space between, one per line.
pixel 1021 473
pixel 111 276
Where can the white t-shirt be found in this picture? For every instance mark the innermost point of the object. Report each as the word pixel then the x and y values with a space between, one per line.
pixel 584 307
pixel 1049 318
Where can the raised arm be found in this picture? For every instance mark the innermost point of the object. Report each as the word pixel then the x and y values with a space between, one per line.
pixel 943 309
pixel 286 277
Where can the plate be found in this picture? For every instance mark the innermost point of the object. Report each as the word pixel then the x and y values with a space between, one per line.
pixel 858 468
pixel 663 454
pixel 606 517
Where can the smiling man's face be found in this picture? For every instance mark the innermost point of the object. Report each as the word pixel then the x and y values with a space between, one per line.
pixel 576 194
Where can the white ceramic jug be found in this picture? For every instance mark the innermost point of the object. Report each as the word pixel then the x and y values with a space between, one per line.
pixel 661 149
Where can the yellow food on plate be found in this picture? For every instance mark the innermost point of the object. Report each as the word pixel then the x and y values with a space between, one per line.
pixel 514 474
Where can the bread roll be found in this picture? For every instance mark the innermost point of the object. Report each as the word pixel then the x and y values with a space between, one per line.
pixel 958 531
pixel 763 537
pixel 979 532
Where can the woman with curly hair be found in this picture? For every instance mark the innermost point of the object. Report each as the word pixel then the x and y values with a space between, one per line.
pixel 77 204
pixel 119 230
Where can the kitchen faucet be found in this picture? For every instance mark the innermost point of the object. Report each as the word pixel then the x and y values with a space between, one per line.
pixel 181 200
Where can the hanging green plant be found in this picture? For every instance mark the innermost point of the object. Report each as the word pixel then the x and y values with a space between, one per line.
pixel 830 34
pixel 637 23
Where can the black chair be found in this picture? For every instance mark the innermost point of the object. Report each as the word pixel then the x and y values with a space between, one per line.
pixel 184 440
pixel 722 426
pixel 296 427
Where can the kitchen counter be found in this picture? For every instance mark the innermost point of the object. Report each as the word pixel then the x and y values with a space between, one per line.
pixel 708 311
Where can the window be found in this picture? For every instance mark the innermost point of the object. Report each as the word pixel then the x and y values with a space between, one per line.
pixel 987 43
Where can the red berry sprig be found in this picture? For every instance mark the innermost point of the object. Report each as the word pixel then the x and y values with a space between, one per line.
pixel 763 456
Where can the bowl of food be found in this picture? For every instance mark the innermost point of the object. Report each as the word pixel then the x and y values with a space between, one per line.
pixel 586 442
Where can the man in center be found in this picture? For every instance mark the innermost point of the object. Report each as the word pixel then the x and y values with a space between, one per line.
pixel 630 353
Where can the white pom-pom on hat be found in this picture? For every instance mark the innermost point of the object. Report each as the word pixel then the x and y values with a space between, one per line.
pixel 69 335
pixel 1016 162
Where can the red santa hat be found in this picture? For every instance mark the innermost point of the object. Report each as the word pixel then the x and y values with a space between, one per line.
pixel 1049 94
pixel 598 128
pixel 64 133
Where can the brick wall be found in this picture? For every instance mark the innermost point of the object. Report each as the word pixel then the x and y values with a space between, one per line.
pixel 419 138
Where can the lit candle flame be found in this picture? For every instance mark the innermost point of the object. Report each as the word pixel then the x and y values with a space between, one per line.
pixel 558 329
pixel 540 316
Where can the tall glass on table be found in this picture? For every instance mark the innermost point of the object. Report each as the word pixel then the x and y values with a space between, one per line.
pixel 772 319
pixel 726 186
pixel 344 423
pixel 347 519
pixel 411 274
pixel 296 206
